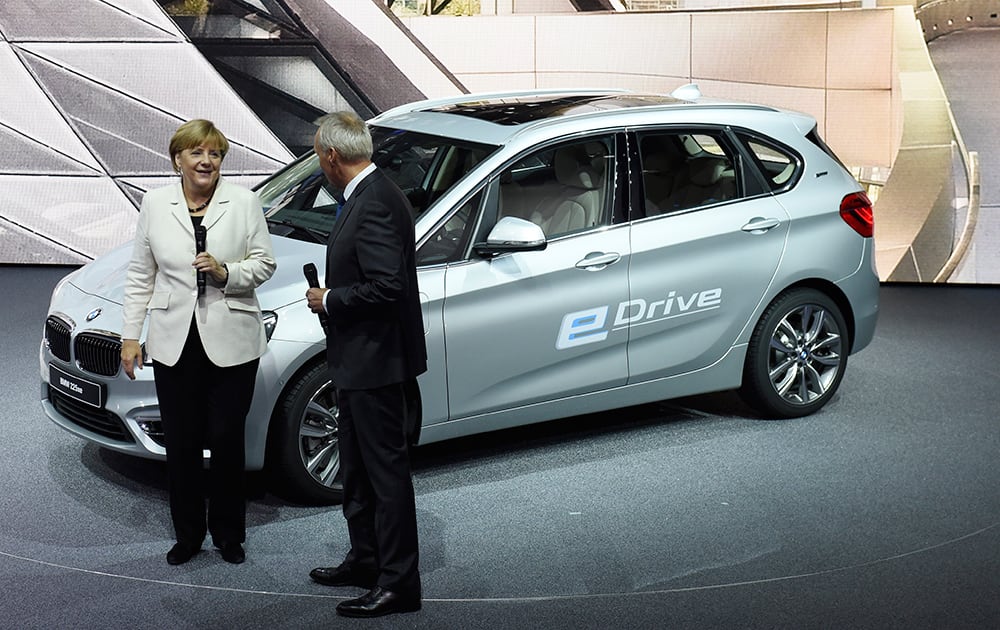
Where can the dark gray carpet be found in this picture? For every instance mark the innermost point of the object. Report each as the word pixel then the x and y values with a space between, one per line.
pixel 881 511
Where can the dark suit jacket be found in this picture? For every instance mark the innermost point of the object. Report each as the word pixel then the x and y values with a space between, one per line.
pixel 376 334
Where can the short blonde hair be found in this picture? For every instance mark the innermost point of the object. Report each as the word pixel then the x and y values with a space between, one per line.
pixel 195 133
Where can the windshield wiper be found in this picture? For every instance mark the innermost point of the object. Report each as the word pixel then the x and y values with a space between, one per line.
pixel 318 236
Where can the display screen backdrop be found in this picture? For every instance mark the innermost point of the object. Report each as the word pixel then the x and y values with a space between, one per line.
pixel 91 99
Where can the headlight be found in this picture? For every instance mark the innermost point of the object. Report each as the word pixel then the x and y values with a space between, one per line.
pixel 270 321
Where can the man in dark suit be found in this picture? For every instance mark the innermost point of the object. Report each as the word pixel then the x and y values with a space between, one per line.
pixel 375 350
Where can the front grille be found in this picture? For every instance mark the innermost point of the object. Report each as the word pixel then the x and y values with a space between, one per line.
pixel 97 353
pixel 99 421
pixel 57 337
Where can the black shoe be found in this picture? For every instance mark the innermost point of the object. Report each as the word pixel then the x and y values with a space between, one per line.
pixel 344 575
pixel 232 553
pixel 181 553
pixel 378 602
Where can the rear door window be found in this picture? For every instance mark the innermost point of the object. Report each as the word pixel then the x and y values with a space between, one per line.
pixel 685 169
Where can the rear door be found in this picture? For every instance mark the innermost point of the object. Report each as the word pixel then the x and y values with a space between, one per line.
pixel 706 240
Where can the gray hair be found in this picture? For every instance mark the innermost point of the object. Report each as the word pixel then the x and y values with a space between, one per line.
pixel 347 134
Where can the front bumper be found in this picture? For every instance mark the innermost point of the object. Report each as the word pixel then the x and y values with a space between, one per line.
pixel 124 422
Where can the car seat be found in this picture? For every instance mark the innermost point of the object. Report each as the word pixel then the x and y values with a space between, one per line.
pixel 704 180
pixel 577 201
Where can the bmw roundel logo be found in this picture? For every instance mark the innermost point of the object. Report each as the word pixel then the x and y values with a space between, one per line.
pixel 94 314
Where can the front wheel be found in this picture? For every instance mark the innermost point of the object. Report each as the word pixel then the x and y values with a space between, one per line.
pixel 797 355
pixel 303 445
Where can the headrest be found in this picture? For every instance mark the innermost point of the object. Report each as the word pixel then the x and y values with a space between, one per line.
pixel 580 165
pixel 705 171
pixel 659 163
pixel 660 154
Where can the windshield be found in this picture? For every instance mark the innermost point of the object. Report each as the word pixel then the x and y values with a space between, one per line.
pixel 300 203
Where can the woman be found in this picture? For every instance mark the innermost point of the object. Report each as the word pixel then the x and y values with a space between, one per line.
pixel 205 333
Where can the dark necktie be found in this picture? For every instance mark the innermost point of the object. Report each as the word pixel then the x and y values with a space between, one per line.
pixel 340 206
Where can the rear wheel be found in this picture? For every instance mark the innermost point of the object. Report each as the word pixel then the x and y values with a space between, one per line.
pixel 797 355
pixel 304 447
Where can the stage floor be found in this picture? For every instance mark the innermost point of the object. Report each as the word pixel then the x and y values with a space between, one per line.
pixel 881 511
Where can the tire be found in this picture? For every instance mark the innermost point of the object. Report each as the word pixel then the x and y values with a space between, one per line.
pixel 303 447
pixel 797 355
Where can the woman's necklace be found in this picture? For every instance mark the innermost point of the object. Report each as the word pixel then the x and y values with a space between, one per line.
pixel 202 206
pixel 199 208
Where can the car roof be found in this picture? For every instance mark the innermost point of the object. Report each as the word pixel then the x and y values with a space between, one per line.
pixel 527 108
pixel 495 118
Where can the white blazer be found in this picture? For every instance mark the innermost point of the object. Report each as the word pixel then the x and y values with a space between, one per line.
pixel 162 282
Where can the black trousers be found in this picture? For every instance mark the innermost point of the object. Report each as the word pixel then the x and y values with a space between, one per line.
pixel 379 503
pixel 202 406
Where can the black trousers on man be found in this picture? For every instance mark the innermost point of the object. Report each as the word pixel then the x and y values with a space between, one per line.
pixel 379 503
pixel 202 406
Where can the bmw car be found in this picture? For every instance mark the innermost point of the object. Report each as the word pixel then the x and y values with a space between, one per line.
pixel 578 251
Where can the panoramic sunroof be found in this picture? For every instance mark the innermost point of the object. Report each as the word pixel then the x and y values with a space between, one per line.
pixel 520 110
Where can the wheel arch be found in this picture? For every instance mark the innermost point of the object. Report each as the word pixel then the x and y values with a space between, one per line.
pixel 809 368
pixel 290 381
pixel 832 291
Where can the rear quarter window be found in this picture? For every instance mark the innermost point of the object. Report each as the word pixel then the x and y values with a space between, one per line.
pixel 779 166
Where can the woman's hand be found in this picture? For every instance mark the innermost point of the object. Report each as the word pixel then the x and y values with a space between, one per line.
pixel 207 263
pixel 131 356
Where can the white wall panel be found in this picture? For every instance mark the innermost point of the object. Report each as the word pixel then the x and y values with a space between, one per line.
pixel 92 96
pixel 28 111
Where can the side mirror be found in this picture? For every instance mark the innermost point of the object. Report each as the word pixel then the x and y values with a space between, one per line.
pixel 511 234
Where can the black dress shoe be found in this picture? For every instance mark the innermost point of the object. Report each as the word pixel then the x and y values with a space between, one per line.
pixel 233 553
pixel 181 553
pixel 378 602
pixel 344 575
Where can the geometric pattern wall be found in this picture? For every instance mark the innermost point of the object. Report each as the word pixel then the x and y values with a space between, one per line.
pixel 91 92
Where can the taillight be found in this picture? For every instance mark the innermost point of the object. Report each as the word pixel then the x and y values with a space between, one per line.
pixel 856 211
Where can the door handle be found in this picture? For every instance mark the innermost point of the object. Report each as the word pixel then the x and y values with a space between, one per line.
pixel 759 225
pixel 595 261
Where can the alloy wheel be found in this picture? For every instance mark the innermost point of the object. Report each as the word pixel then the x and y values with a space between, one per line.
pixel 805 354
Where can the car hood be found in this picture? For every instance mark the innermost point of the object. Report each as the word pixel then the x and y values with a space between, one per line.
pixel 105 276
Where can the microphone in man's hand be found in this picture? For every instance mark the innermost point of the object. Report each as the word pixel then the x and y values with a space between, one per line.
pixel 199 245
pixel 309 270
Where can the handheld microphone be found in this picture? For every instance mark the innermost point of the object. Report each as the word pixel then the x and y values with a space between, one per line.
pixel 199 245
pixel 309 270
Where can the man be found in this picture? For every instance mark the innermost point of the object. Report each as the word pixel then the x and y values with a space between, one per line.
pixel 375 350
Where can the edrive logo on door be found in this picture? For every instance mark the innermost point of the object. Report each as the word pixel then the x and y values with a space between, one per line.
pixel 590 325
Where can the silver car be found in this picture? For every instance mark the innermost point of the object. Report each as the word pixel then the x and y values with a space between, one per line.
pixel 578 251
